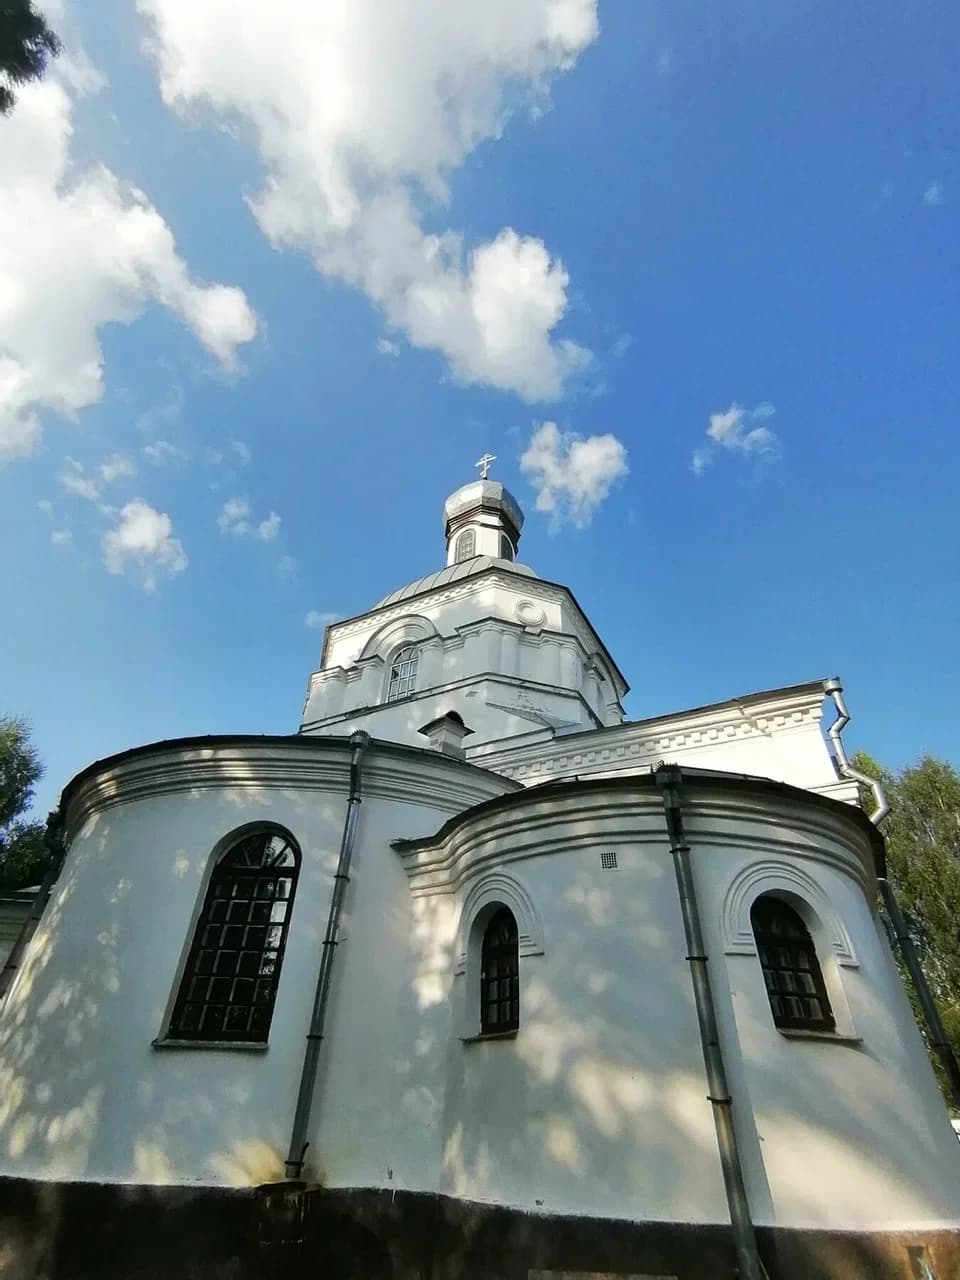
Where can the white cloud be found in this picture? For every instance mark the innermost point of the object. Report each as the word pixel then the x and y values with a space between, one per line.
pixel 733 430
pixel 268 529
pixel 162 453
pixel 572 476
pixel 360 123
pixel 75 480
pixel 241 451
pixel 387 347
pixel 46 506
pixel 142 542
pixel 933 195
pixel 62 538
pixel 80 249
pixel 317 621
pixel 234 518
pixel 117 467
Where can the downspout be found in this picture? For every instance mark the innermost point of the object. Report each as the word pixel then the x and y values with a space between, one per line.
pixel 311 1058
pixel 749 1265
pixel 936 1032
pixel 53 838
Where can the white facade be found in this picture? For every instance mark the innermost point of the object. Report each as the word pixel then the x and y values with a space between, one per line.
pixel 597 1105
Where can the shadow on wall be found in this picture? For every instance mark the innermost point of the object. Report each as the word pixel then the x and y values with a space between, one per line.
pixel 572 1103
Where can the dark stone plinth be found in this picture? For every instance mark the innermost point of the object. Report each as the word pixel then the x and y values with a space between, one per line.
pixel 86 1231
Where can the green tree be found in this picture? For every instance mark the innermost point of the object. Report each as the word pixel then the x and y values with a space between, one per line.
pixel 24 853
pixel 26 45
pixel 923 865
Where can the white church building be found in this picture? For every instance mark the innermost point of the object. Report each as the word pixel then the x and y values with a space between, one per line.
pixel 471 978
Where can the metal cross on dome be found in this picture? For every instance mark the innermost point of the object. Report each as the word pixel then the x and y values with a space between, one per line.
pixel 484 464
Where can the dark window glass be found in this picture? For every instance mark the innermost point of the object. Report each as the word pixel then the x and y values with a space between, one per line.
pixel 466 546
pixel 403 673
pixel 500 974
pixel 230 981
pixel 506 547
pixel 791 970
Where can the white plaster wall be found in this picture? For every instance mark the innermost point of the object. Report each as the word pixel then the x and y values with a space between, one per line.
pixel 475 631
pixel 838 1133
pixel 83 1094
pixel 598 1106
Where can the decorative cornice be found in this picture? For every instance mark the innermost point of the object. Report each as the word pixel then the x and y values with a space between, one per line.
pixel 518 585
pixel 649 741
pixel 563 817
pixel 299 763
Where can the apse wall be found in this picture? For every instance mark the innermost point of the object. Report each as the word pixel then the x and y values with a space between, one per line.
pixel 85 1092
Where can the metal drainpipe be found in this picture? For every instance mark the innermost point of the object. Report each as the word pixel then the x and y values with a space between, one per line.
pixel 936 1032
pixel 42 897
pixel 311 1058
pixel 749 1265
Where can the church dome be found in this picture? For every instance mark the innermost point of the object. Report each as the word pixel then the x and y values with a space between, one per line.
pixel 490 495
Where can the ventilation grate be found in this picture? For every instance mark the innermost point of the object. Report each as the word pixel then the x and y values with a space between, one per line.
pixel 608 860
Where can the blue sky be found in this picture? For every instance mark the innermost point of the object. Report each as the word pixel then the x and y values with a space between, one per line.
pixel 716 243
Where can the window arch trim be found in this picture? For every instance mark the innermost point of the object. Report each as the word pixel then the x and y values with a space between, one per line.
pixel 174 1032
pixel 505 890
pixel 796 886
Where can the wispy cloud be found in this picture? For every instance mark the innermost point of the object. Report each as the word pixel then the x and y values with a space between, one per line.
pixel 317 621
pixel 61 538
pixel 737 431
pixel 235 519
pixel 162 453
pixel 572 476
pixel 933 195
pixel 387 347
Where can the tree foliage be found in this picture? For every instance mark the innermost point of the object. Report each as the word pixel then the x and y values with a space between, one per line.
pixel 24 853
pixel 26 45
pixel 923 866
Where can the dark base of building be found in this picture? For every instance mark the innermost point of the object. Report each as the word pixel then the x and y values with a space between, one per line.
pixel 86 1231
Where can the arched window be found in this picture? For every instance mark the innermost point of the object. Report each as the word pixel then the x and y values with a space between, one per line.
pixel 466 546
pixel 230 980
pixel 403 672
pixel 506 547
pixel 791 970
pixel 500 974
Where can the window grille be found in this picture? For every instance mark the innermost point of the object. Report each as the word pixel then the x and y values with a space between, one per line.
pixel 229 984
pixel 500 974
pixel 791 970
pixel 403 673
pixel 466 546
pixel 608 860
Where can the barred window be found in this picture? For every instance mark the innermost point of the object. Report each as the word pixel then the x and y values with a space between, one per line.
pixel 791 970
pixel 403 672
pixel 466 546
pixel 229 985
pixel 500 974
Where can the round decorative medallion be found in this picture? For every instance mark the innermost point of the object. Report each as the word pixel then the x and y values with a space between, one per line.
pixel 530 614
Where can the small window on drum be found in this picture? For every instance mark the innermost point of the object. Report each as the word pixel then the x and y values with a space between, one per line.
pixel 500 975
pixel 229 984
pixel 791 970
pixel 403 673
pixel 466 547
pixel 506 547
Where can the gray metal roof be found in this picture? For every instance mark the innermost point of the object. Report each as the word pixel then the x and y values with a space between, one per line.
pixel 454 573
